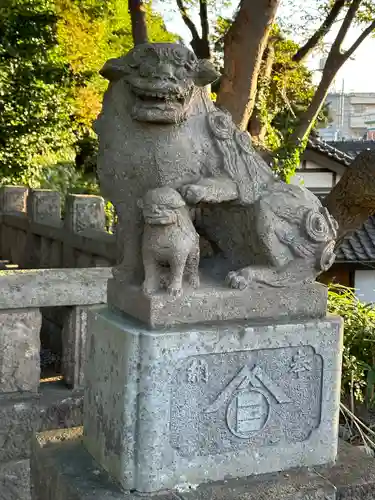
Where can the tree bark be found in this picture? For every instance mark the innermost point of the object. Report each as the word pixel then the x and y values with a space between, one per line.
pixel 336 58
pixel 308 118
pixel 257 128
pixel 320 33
pixel 137 13
pixel 200 45
pixel 352 200
pixel 244 45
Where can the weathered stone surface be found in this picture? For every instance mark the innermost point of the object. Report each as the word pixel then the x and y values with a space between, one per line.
pixel 97 245
pixel 207 403
pixel 44 206
pixel 269 233
pixel 297 484
pixel 63 470
pixel 19 349
pixel 73 346
pixel 353 475
pixel 13 199
pixel 53 287
pixel 15 480
pixel 22 415
pixel 210 303
pixel 84 212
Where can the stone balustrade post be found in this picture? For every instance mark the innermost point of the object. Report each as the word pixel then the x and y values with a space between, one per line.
pixel 73 346
pixel 19 352
pixel 83 212
pixel 13 199
pixel 44 206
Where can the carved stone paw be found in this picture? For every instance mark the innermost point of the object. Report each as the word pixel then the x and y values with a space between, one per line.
pixel 238 279
pixel 193 193
pixel 149 289
pixel 174 291
pixel 194 281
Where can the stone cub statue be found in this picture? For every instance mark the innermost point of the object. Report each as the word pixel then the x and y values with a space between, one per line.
pixel 169 241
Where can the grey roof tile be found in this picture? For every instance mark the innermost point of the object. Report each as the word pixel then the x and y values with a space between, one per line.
pixel 322 147
pixel 360 246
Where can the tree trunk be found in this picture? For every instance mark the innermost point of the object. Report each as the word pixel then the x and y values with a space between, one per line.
pixel 201 48
pixel 199 44
pixel 244 45
pixel 352 200
pixel 308 117
pixel 321 32
pixel 137 12
pixel 257 127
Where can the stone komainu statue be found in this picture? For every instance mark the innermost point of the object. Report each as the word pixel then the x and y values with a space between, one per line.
pixel 158 127
pixel 169 240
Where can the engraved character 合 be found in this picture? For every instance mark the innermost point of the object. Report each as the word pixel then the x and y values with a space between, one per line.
pixel 197 371
pixel 247 402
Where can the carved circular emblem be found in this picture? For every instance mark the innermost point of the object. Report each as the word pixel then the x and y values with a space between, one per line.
pixel 316 226
pixel 247 413
pixel 243 140
pixel 221 124
pixel 328 256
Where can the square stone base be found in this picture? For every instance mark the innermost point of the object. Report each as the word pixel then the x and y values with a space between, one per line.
pixel 204 403
pixel 212 303
pixel 61 469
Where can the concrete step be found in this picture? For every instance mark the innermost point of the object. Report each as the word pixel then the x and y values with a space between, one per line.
pixel 21 415
pixel 60 465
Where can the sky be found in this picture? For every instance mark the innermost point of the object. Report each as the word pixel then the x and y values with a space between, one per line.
pixel 357 75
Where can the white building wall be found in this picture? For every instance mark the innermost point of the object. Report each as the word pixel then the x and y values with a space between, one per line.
pixel 364 283
pixel 313 179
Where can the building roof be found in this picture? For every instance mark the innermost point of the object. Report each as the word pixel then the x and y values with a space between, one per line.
pixel 352 148
pixel 332 152
pixel 360 246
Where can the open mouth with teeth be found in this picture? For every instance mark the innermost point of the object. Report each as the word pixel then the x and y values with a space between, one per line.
pixel 160 104
pixel 158 98
pixel 155 98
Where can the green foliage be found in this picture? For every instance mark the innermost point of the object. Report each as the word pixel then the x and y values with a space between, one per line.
pixel 358 374
pixel 281 97
pixel 50 89
pixel 287 159
pixel 36 108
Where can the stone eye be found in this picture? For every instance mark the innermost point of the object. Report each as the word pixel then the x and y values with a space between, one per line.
pixel 178 57
pixel 145 69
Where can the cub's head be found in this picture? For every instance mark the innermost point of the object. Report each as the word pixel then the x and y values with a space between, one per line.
pixel 161 206
pixel 162 79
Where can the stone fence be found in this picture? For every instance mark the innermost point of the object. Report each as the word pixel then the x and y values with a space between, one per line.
pixel 23 296
pixel 27 403
pixel 33 235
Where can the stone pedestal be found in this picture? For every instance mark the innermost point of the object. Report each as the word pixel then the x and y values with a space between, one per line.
pixel 164 409
pixel 213 303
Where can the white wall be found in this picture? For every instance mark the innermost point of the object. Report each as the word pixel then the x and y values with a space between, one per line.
pixel 364 283
pixel 313 179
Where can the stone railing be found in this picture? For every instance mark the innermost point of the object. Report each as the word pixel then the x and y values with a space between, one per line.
pixel 23 296
pixel 33 235
pixel 28 404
